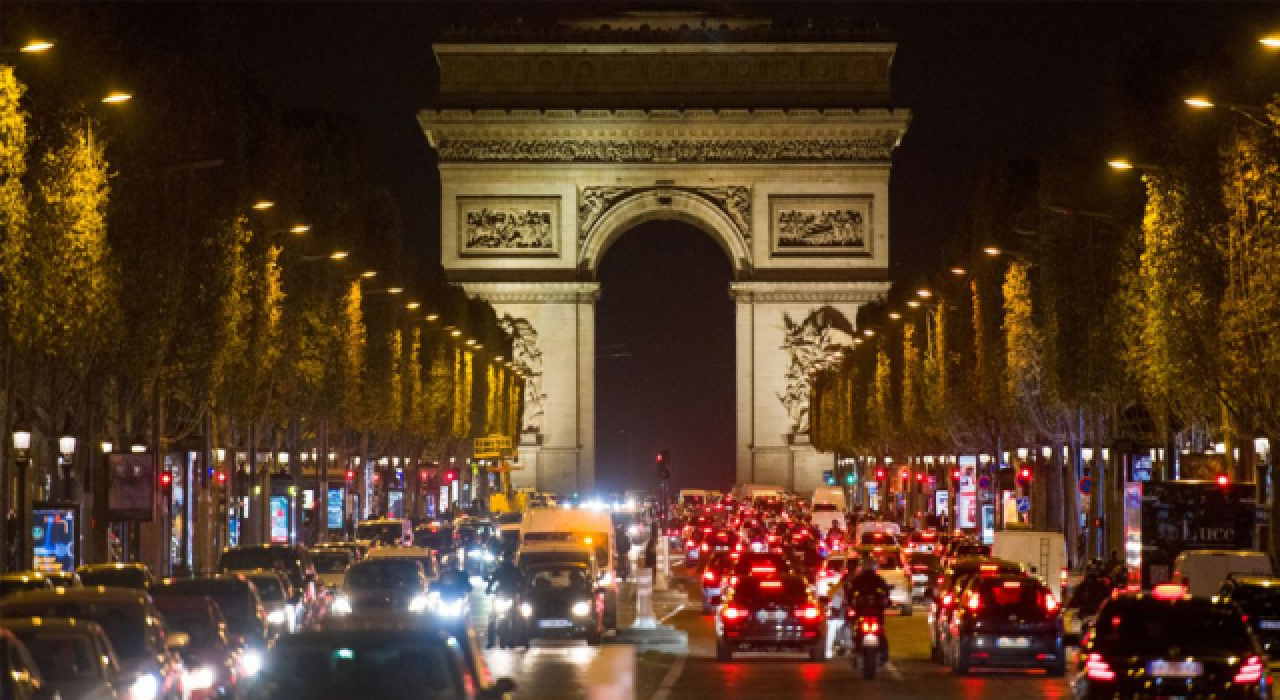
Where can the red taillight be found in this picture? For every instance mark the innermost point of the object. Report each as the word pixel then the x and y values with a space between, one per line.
pixel 771 585
pixel 1168 591
pixel 809 613
pixel 870 625
pixel 770 569
pixel 1250 672
pixel 731 612
pixel 947 600
pixel 690 544
pixel 940 579
pixel 709 576
pixel 1012 584
pixel 974 602
pixel 773 539
pixel 706 530
pixel 1097 669
pixel 706 547
pixel 1050 603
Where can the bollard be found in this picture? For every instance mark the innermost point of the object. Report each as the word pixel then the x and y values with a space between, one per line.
pixel 660 576
pixel 644 601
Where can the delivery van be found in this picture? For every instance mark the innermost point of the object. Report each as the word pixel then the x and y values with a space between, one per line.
pixel 828 507
pixel 1044 554
pixel 593 528
pixel 1202 571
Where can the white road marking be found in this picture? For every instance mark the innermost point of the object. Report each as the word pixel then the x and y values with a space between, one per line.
pixel 671 614
pixel 894 673
pixel 669 680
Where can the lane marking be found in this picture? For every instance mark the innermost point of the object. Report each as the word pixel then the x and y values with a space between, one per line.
pixel 894 673
pixel 671 614
pixel 669 680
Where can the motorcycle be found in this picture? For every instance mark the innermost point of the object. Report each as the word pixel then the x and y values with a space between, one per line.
pixel 870 645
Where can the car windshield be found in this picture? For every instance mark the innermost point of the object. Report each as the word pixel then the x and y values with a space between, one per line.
pixel 434 538
pixel 119 578
pixel 194 622
pixel 924 561
pixel 123 622
pixel 1157 627
pixel 261 558
pixel 386 533
pixel 384 573
pixel 330 562
pixel 1257 601
pixel 237 603
pixel 388 668
pixel 559 577
pixel 269 588
pixel 61 657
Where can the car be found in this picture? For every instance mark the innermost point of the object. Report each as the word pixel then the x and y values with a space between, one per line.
pixel 947 592
pixel 437 537
pixel 924 567
pixel 24 581
pixel 331 565
pixel 715 576
pixel 425 557
pixel 241 609
pixel 1258 597
pixel 390 585
pixel 964 549
pixel 560 601
pixel 20 678
pixel 116 575
pixel 64 579
pixel 1081 607
pixel 385 532
pixel 390 658
pixel 892 569
pixel 275 593
pixel 74 657
pixel 293 560
pixel 358 551
pixel 1168 643
pixel 1008 620
pixel 148 668
pixel 211 660
pixel 877 539
pixel 775 613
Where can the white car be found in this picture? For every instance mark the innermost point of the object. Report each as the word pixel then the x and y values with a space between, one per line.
pixel 893 570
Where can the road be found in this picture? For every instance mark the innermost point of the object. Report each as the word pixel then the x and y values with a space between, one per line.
pixel 618 672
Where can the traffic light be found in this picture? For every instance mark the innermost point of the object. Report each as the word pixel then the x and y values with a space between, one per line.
pixel 221 477
pixel 351 475
pixel 850 478
pixel 1223 480
pixel 1024 474
pixel 450 476
pixel 166 482
pixel 423 475
pixel 664 465
pixel 920 482
pixel 955 475
pixel 879 473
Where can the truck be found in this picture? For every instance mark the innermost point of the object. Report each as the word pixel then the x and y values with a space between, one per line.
pixel 543 526
pixel 1044 554
pixel 749 492
pixel 828 507
pixel 1192 515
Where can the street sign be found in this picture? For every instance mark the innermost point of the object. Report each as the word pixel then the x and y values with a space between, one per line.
pixel 984 483
pixel 1086 486
pixel 829 477
pixel 1024 505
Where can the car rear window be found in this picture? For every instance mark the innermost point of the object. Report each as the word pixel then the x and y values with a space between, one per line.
pixel 238 604
pixel 123 623
pixel 35 584
pixel 384 573
pixel 825 508
pixel 269 588
pixel 61 657
pixel 924 561
pixel 1013 596
pixel 1257 601
pixel 261 558
pixel 119 578
pixel 1156 627
pixel 835 564
pixel 971 550
pixel 784 588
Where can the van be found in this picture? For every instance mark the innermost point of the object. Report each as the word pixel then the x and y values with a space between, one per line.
pixel 1044 554
pixel 828 507
pixel 692 498
pixel 1202 571
pixel 747 493
pixel 877 526
pixel 385 532
pixel 577 525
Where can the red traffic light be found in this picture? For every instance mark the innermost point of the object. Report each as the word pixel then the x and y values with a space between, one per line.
pixel 662 457
pixel 166 480
pixel 351 475
pixel 879 473
pixel 919 476
pixel 221 477
pixel 450 476
pixel 955 474
pixel 1223 480
pixel 906 474
pixel 377 477
pixel 1025 474
pixel 423 475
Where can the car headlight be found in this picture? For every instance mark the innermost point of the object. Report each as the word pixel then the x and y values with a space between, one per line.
pixel 581 609
pixel 145 687
pixel 488 556
pixel 341 606
pixel 503 604
pixel 277 617
pixel 200 679
pixel 606 579
pixel 448 608
pixel 419 603
pixel 526 610
pixel 251 662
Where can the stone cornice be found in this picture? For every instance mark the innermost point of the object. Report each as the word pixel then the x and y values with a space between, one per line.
pixel 808 292
pixel 534 292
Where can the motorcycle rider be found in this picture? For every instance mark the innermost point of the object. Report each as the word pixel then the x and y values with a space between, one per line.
pixel 507 580
pixel 868 593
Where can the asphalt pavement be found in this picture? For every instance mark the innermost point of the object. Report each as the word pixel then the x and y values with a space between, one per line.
pixel 569 671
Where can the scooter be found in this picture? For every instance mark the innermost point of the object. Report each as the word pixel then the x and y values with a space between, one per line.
pixel 870 643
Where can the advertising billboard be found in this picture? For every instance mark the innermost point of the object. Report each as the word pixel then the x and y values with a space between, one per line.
pixel 1181 515
pixel 280 519
pixel 54 531
pixel 335 519
pixel 131 487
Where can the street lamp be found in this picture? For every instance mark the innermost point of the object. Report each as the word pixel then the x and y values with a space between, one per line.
pixel 338 255
pixel 958 271
pixel 992 250
pixel 432 318
pixel 895 315
pixel 413 305
pixel 21 453
pixel 263 204
pixel 369 274
pixel 924 293
pixel 116 97
pixel 67 448
pixel 36 46
pixel 299 229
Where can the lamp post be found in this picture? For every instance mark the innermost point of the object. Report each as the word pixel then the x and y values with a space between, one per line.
pixel 22 461
pixel 67 451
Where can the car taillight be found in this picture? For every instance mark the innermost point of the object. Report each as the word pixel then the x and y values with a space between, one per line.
pixel 709 576
pixel 947 599
pixel 705 547
pixel 940 579
pixel 1097 669
pixel 870 626
pixel 731 612
pixel 1250 672
pixel 1050 603
pixel 809 613
pixel 764 570
pixel 690 544
pixel 771 585
pixel 974 602
pixel 1062 578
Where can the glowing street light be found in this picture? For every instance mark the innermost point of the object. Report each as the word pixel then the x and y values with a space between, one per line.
pixel 116 97
pixel 263 204
pixel 36 46
pixel 369 274
pixel 913 303
pixel 395 290
pixel 924 293
pixel 1120 164
pixel 895 315
pixel 959 271
pixel 1271 41
pixel 432 318
pixel 1199 102
pixel 413 305
pixel 992 250
pixel 339 255
pixel 299 228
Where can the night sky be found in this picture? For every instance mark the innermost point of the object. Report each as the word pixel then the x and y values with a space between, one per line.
pixel 985 82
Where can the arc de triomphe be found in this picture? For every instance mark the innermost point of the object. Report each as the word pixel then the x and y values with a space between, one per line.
pixel 775 143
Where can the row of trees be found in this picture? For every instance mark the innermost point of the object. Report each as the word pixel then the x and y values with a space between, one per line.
pixel 1148 325
pixel 196 270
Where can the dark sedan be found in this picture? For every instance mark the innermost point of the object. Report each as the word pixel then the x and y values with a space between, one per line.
pixel 559 601
pixel 1007 621
pixel 778 613
pixel 388 585
pixel 1258 597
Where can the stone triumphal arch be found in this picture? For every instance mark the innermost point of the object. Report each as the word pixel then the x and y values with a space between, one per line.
pixel 775 141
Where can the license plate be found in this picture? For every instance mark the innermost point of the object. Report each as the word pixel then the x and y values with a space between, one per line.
pixel 870 640
pixel 554 623
pixel 1013 643
pixel 1269 624
pixel 693 554
pixel 772 615
pixel 1175 669
pixel 919 577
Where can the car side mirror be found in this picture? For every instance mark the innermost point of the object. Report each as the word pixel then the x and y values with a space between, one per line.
pixel 177 641
pixel 717 600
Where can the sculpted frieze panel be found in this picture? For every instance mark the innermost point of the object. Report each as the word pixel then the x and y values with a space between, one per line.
pixel 663 151
pixel 733 200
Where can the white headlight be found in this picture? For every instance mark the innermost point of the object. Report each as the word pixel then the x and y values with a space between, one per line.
pixel 341 606
pixel 488 556
pixel 277 617
pixel 581 609
pixel 502 604
pixel 452 608
pixel 526 610
pixel 144 688
pixel 606 579
pixel 200 679
pixel 251 662
pixel 419 603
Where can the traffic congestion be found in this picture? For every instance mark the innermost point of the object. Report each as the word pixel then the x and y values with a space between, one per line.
pixel 411 610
